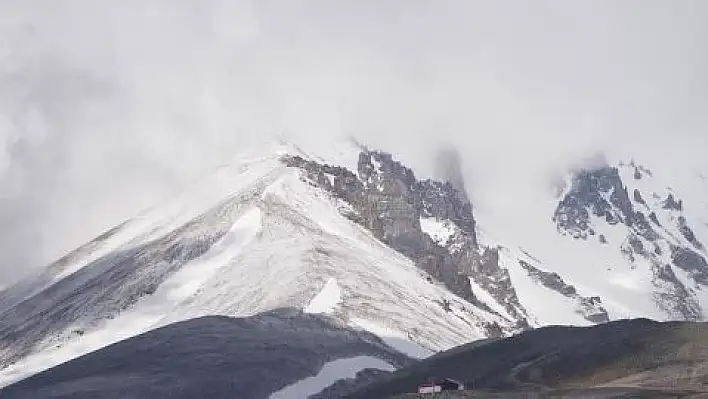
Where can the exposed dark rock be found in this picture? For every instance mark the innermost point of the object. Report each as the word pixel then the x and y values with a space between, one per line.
pixel 673 204
pixel 657 250
pixel 493 330
pixel 692 262
pixel 636 244
pixel 638 197
pixel 600 193
pixel 442 201
pixel 654 218
pixel 603 239
pixel 592 310
pixel 549 280
pixel 590 307
pixel 496 280
pixel 642 227
pixel 688 233
pixel 672 297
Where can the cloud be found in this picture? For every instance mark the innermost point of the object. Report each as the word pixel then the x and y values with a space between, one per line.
pixel 106 107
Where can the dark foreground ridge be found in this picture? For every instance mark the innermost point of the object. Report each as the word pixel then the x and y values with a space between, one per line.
pixel 628 357
pixel 207 357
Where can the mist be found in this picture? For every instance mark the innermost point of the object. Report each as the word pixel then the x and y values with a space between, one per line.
pixel 107 107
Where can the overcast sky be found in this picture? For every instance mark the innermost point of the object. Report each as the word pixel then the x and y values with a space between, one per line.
pixel 107 106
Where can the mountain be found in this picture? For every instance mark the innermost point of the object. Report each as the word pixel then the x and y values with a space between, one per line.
pixel 352 234
pixel 256 236
pixel 628 358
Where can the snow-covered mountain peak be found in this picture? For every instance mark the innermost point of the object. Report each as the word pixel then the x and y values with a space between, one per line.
pixel 267 231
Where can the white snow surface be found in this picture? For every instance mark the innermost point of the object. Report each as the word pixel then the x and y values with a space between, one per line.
pixel 331 373
pixel 327 299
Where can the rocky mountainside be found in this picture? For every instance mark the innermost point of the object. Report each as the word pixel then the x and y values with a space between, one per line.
pixel 355 235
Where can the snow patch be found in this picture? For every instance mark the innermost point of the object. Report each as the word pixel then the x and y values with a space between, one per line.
pixel 331 373
pixel 327 299
pixel 438 230
pixel 395 339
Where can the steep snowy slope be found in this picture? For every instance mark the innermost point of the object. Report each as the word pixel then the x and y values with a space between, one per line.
pixel 256 236
pixel 622 234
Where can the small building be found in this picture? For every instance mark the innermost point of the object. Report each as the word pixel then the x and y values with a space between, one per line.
pixel 438 385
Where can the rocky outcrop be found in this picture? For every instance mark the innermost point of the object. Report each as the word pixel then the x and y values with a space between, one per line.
pixel 687 233
pixel 638 197
pixel 673 297
pixel 388 200
pixel 600 193
pixel 639 170
pixel 589 307
pixel 672 204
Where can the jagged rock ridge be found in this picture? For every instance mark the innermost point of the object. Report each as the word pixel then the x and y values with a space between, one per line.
pixel 657 231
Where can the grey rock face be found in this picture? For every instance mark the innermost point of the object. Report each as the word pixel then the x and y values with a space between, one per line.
pixel 692 262
pixel 673 297
pixel 673 204
pixel 209 357
pixel 590 307
pixel 389 201
pixel 638 197
pixel 688 233
pixel 640 171
pixel 599 191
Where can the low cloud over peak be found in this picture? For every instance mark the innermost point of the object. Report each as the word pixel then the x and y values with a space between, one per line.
pixel 107 107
